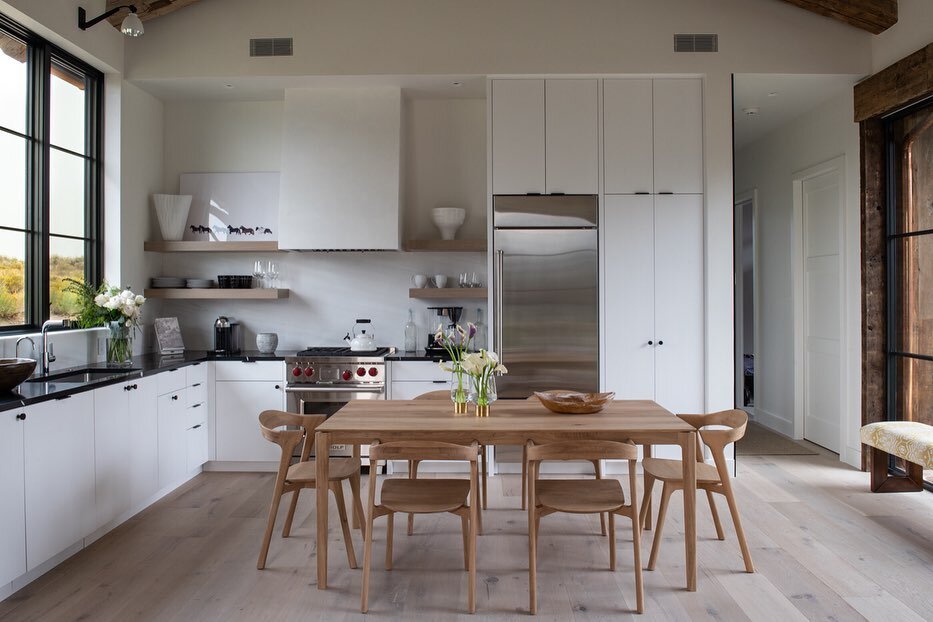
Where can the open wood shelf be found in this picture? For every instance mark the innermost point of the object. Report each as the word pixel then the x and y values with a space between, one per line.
pixel 200 246
pixel 446 246
pixel 449 293
pixel 216 294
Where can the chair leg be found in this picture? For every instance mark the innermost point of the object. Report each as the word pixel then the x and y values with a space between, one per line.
pixel 485 481
pixel 471 567
pixel 287 528
pixel 337 487
pixel 412 474
pixel 612 541
pixel 390 531
pixel 367 559
pixel 465 524
pixel 273 511
pixel 636 551
pixel 357 502
pixel 599 475
pixel 739 532
pixel 532 562
pixel 524 476
pixel 644 514
pixel 666 491
pixel 712 509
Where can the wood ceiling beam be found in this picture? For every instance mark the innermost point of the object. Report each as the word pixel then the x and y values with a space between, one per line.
pixel 147 9
pixel 875 16
pixel 906 81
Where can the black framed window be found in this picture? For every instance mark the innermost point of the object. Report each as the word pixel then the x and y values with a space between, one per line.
pixel 50 177
pixel 909 141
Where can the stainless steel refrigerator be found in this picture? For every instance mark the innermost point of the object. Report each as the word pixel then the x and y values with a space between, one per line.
pixel 546 292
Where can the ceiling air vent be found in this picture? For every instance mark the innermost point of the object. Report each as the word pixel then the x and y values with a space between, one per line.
pixel 271 47
pixel 696 43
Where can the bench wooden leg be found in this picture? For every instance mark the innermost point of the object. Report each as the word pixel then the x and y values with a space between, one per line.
pixel 882 481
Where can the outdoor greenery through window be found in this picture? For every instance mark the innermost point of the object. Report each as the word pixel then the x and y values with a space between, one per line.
pixel 50 200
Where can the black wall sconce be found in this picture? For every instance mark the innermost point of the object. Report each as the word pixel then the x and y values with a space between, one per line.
pixel 132 26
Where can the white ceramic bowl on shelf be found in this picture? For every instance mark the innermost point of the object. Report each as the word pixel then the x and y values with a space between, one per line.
pixel 448 220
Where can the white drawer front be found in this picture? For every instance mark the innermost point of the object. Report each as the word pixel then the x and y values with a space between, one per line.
pixel 418 371
pixel 196 446
pixel 196 374
pixel 249 371
pixel 170 380
pixel 197 394
pixel 411 390
pixel 195 414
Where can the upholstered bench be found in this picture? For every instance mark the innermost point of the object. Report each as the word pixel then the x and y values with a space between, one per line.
pixel 910 440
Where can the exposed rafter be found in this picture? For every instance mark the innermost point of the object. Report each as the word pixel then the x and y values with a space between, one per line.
pixel 875 16
pixel 147 9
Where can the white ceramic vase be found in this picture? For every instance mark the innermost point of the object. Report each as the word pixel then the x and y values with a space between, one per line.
pixel 267 342
pixel 172 211
pixel 448 220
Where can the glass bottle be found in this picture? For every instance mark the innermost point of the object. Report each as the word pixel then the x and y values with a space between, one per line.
pixel 411 333
pixel 479 341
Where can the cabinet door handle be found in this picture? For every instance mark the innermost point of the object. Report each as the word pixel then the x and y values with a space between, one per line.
pixel 174 397
pixel 128 387
pixel 195 406
pixel 650 342
pixel 439 382
pixel 135 386
pixel 195 427
pixel 64 397
pixel 21 417
pixel 278 386
pixel 665 192
pixel 660 343
pixel 642 192
pixel 196 384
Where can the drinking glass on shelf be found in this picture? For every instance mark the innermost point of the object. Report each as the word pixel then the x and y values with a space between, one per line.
pixel 258 273
pixel 474 282
pixel 463 280
pixel 272 271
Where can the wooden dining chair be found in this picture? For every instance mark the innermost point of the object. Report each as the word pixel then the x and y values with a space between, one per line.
pixel 413 464
pixel 597 467
pixel 713 478
pixel 575 496
pixel 423 496
pixel 287 430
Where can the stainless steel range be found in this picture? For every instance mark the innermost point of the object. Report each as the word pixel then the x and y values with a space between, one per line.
pixel 319 381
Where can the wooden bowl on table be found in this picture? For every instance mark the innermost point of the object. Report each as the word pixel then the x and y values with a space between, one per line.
pixel 14 371
pixel 574 403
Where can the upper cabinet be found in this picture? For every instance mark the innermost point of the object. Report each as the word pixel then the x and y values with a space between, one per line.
pixel 545 136
pixel 340 169
pixel 653 136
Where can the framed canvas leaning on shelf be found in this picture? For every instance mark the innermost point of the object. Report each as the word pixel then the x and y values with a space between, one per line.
pixel 168 335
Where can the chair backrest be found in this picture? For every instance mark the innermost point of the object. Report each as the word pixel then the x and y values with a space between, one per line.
pixel 272 422
pixel 423 450
pixel 434 395
pixel 582 450
pixel 734 421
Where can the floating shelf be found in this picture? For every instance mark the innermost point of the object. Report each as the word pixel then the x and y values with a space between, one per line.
pixel 199 246
pixel 449 293
pixel 216 294
pixel 446 246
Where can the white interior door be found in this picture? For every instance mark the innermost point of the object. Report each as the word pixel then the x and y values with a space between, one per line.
pixel 821 196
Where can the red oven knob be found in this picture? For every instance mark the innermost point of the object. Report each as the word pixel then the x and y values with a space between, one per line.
pixel 296 372
pixel 309 371
pixel 360 371
pixel 373 371
pixel 347 375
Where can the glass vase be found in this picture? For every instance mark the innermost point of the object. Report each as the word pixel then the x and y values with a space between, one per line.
pixel 484 393
pixel 460 393
pixel 119 345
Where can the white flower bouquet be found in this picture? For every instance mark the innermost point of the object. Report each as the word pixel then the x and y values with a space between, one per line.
pixel 482 367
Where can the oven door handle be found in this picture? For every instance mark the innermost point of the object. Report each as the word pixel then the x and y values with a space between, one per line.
pixel 335 389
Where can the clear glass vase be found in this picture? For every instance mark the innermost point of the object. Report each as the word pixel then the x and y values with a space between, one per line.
pixel 460 389
pixel 119 345
pixel 483 393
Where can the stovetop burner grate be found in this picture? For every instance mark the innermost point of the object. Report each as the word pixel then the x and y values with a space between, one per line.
pixel 342 351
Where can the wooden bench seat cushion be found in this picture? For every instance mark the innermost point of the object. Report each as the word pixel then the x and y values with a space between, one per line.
pixel 910 440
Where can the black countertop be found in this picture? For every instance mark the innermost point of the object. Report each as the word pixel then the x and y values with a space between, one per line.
pixel 417 355
pixel 144 365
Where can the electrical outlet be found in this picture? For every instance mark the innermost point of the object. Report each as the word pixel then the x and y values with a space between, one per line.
pixel 101 346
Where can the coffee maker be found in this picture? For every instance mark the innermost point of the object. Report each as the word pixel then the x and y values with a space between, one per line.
pixel 448 318
pixel 227 336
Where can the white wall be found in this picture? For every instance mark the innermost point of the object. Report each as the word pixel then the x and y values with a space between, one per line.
pixel 913 30
pixel 329 290
pixel 768 165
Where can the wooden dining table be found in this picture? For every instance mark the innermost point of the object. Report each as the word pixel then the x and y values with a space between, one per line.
pixel 510 422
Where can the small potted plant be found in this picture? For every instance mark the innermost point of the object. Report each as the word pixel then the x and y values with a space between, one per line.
pixel 117 309
pixel 456 343
pixel 482 368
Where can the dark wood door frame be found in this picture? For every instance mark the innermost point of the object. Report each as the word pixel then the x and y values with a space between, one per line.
pixel 907 81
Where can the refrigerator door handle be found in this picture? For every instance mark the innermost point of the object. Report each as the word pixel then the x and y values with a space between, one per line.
pixel 500 259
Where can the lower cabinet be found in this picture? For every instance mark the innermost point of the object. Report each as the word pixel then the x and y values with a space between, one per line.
pixel 13 493
pixel 237 408
pixel 59 475
pixel 409 379
pixel 173 441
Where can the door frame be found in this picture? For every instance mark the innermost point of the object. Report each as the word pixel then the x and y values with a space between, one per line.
pixel 739 312
pixel 837 163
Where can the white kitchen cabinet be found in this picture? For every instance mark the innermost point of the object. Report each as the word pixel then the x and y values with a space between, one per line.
pixel 173 443
pixel 144 457
pixel 518 138
pixel 572 136
pixel 412 389
pixel 545 136
pixel 678 136
pixel 237 406
pixel 113 451
pixel 13 493
pixel 628 136
pixel 654 299
pixel 59 475
pixel 409 379
pixel 340 178
pixel 196 428
pixel 249 371
pixel 196 446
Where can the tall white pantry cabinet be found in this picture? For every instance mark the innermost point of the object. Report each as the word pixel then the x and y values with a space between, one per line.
pixel 546 139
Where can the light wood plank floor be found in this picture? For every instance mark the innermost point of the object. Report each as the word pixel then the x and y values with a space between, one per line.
pixel 825 548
